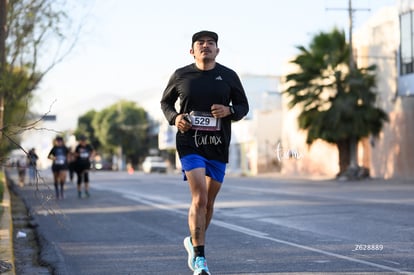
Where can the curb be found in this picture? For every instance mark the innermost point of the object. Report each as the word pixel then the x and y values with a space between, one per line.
pixel 6 234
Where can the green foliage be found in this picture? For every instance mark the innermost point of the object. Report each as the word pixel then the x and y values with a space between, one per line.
pixel 321 70
pixel 85 128
pixel 16 86
pixel 122 125
pixel 35 30
pixel 338 102
pixel 32 23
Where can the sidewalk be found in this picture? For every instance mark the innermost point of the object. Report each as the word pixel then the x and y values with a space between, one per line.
pixel 6 237
pixel 20 251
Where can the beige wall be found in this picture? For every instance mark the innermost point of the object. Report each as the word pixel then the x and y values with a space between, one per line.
pixel 391 154
pixel 320 159
pixel 268 126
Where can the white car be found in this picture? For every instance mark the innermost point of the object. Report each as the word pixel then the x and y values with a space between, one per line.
pixel 154 164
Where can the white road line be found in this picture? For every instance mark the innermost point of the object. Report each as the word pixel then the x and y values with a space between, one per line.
pixel 167 204
pixel 265 236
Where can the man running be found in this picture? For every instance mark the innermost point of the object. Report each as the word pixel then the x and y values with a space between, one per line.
pixel 59 155
pixel 84 154
pixel 211 96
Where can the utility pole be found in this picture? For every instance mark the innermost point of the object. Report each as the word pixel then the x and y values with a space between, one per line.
pixel 353 144
pixel 353 161
pixel 3 34
pixel 350 17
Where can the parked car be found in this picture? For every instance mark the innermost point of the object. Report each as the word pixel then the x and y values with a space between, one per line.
pixel 102 165
pixel 154 164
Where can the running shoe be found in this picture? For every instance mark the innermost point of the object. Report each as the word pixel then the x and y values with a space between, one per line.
pixel 190 250
pixel 200 266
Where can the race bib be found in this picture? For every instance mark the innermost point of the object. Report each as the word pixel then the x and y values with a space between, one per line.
pixel 84 155
pixel 204 121
pixel 60 160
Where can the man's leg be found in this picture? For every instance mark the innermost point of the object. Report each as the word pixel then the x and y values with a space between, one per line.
pixel 31 174
pixel 62 179
pixel 213 187
pixel 56 182
pixel 71 172
pixel 86 182
pixel 197 219
pixel 79 183
pixel 198 210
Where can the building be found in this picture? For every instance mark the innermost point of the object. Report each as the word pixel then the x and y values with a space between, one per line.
pixel 387 40
pixel 255 138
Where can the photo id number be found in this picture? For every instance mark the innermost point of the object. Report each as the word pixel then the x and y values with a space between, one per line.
pixel 368 247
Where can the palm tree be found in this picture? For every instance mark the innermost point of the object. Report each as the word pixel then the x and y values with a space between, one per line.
pixel 338 104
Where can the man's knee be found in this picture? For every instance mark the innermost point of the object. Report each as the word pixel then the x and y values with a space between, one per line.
pixel 200 202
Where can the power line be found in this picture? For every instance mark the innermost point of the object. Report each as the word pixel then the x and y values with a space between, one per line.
pixel 351 12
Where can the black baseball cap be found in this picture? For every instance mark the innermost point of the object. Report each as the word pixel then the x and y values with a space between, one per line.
pixel 200 34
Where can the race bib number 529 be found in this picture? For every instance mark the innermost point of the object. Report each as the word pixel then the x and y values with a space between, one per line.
pixel 204 121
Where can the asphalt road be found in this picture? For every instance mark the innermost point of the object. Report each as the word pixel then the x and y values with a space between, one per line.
pixel 135 224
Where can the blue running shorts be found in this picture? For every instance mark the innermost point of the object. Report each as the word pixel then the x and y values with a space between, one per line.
pixel 214 169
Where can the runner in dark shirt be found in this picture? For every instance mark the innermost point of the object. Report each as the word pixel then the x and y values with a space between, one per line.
pixel 198 91
pixel 84 154
pixel 211 96
pixel 59 155
pixel 32 158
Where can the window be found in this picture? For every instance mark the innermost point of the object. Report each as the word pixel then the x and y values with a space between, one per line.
pixel 407 39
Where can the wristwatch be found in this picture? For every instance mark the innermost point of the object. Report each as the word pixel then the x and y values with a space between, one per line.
pixel 232 110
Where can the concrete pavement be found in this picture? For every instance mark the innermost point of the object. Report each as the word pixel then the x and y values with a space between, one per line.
pixel 18 241
pixel 6 231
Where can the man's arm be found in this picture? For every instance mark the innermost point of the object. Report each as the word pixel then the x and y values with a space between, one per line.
pixel 239 103
pixel 169 97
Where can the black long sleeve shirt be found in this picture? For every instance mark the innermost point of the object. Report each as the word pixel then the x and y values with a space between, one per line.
pixel 198 90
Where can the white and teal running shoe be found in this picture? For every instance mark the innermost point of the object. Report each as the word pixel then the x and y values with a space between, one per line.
pixel 200 266
pixel 190 250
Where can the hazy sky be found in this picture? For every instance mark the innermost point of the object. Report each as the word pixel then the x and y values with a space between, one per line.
pixel 129 48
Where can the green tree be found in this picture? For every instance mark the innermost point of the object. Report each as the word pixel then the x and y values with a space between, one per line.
pixel 17 94
pixel 85 127
pixel 123 128
pixel 38 35
pixel 338 104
